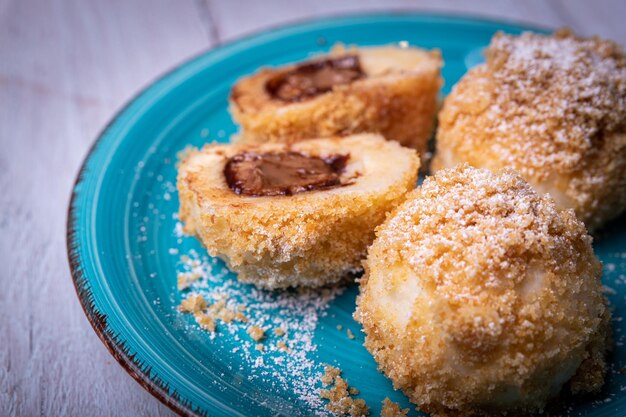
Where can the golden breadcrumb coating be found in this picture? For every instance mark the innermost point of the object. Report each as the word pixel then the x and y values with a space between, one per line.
pixel 552 108
pixel 481 297
pixel 308 239
pixel 397 98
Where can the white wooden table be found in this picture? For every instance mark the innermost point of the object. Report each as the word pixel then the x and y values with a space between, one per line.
pixel 65 67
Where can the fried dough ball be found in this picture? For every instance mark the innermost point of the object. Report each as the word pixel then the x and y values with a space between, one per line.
pixel 293 215
pixel 481 298
pixel 388 90
pixel 554 109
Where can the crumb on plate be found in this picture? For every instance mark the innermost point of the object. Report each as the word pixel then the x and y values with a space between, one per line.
pixel 192 304
pixel 339 396
pixel 391 409
pixel 256 333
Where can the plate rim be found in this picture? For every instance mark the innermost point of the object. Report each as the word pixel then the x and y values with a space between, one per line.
pixel 140 371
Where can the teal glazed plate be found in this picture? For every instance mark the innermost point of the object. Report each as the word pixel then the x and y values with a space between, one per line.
pixel 127 250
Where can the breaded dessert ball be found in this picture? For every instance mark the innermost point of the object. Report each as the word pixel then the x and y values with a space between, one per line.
pixel 388 90
pixel 481 298
pixel 293 215
pixel 554 109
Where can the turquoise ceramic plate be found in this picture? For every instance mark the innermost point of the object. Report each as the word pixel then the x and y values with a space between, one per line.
pixel 126 249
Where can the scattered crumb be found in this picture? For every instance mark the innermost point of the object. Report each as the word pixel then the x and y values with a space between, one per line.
pixel 226 315
pixel 205 321
pixel 185 279
pixel 207 315
pixel 193 304
pixel 256 333
pixel 350 334
pixel 281 345
pixel 330 373
pixel 241 317
pixel 391 409
pixel 339 327
pixel 221 311
pixel 359 408
pixel 226 309
pixel 339 396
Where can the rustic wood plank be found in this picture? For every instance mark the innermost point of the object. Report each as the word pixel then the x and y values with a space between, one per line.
pixel 65 68
pixel 588 18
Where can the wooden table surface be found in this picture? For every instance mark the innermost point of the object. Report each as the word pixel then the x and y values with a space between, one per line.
pixel 65 67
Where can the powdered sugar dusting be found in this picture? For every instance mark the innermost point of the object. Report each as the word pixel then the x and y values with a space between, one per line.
pixel 568 88
pixel 282 358
pixel 476 215
pixel 552 107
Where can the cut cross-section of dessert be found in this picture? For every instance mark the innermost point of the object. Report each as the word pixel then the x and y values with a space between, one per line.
pixel 389 90
pixel 286 215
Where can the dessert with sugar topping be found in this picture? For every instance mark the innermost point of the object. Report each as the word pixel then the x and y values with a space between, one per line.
pixel 554 109
pixel 285 215
pixel 388 90
pixel 481 297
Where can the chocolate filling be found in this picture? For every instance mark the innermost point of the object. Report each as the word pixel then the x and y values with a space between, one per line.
pixel 287 173
pixel 313 78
